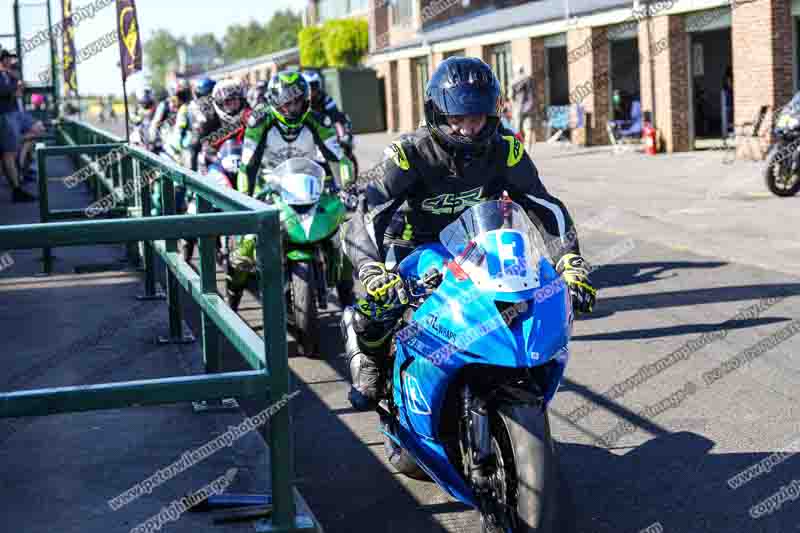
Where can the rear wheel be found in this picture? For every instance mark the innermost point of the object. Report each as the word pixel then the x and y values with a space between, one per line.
pixel 530 494
pixel 304 307
pixel 779 178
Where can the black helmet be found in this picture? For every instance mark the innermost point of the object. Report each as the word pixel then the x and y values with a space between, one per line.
pixel 287 90
pixel 462 86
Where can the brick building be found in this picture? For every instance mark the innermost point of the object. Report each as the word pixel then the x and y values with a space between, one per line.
pixel 671 56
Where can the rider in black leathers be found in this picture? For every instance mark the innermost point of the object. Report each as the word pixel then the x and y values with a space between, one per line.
pixel 459 159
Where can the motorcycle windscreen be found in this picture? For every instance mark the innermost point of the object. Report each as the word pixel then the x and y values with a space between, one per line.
pixel 497 246
pixel 300 181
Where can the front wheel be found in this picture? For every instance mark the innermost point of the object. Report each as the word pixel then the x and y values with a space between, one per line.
pixel 779 178
pixel 304 306
pixel 530 496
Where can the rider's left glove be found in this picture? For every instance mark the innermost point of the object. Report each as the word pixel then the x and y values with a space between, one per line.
pixel 385 290
pixel 575 271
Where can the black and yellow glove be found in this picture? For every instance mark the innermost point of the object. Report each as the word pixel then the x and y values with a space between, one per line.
pixel 576 273
pixel 385 291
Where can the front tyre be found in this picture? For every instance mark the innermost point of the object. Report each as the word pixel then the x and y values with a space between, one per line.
pixel 304 306
pixel 777 175
pixel 531 495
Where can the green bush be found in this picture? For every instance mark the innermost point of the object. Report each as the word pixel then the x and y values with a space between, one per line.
pixel 312 52
pixel 346 41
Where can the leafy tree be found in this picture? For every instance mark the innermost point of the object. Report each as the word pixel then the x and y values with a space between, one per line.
pixel 253 39
pixel 312 52
pixel 207 39
pixel 161 51
pixel 282 30
pixel 346 41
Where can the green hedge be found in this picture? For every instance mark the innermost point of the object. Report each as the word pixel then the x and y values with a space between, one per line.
pixel 338 43
pixel 312 53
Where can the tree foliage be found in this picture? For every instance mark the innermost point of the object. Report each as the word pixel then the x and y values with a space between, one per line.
pixel 207 39
pixel 346 41
pixel 161 51
pixel 312 52
pixel 254 39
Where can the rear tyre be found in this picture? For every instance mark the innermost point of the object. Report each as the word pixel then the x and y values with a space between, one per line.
pixel 533 496
pixel 304 305
pixel 777 182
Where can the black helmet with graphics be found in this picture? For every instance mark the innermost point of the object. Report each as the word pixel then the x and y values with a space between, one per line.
pixel 462 86
pixel 289 100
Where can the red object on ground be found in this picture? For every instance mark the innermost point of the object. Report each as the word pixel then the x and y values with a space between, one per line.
pixel 649 137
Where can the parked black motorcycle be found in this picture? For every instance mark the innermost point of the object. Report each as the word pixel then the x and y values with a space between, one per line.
pixel 782 173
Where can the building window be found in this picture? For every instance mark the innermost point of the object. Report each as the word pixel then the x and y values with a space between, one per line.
pixel 402 11
pixel 334 9
pixel 500 60
pixel 453 53
pixel 421 76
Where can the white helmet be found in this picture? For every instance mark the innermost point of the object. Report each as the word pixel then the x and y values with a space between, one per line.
pixel 226 90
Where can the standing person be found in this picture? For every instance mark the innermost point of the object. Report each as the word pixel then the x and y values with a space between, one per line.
pixel 727 102
pixel 526 108
pixel 9 140
pixel 112 115
pixel 26 129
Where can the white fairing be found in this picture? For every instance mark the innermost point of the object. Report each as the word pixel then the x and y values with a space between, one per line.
pixel 512 251
pixel 300 189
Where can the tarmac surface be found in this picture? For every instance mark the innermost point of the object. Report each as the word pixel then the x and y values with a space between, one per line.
pixel 693 254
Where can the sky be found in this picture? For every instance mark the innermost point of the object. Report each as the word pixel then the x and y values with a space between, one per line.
pixel 99 74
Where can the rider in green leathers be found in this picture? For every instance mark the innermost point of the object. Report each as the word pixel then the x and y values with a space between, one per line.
pixel 282 129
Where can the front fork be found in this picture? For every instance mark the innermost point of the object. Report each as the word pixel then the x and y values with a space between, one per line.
pixel 478 437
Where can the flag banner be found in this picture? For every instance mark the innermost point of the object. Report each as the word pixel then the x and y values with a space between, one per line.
pixel 68 42
pixel 130 46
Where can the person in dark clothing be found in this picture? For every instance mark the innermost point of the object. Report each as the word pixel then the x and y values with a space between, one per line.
pixel 526 109
pixel 457 160
pixel 9 138
pixel 323 105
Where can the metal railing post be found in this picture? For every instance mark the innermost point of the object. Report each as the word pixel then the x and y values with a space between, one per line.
pixel 129 184
pixel 44 209
pixel 212 346
pixel 269 253
pixel 176 335
pixel 150 292
pixel 212 356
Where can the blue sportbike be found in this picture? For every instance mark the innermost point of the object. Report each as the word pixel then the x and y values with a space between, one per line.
pixel 476 359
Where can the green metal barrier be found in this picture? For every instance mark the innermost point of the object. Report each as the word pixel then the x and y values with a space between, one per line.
pixel 267 357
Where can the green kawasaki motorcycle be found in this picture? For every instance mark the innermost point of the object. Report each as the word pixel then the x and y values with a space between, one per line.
pixel 311 213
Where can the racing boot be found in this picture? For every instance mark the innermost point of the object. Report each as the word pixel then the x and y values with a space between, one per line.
pixel 367 349
pixel 233 296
